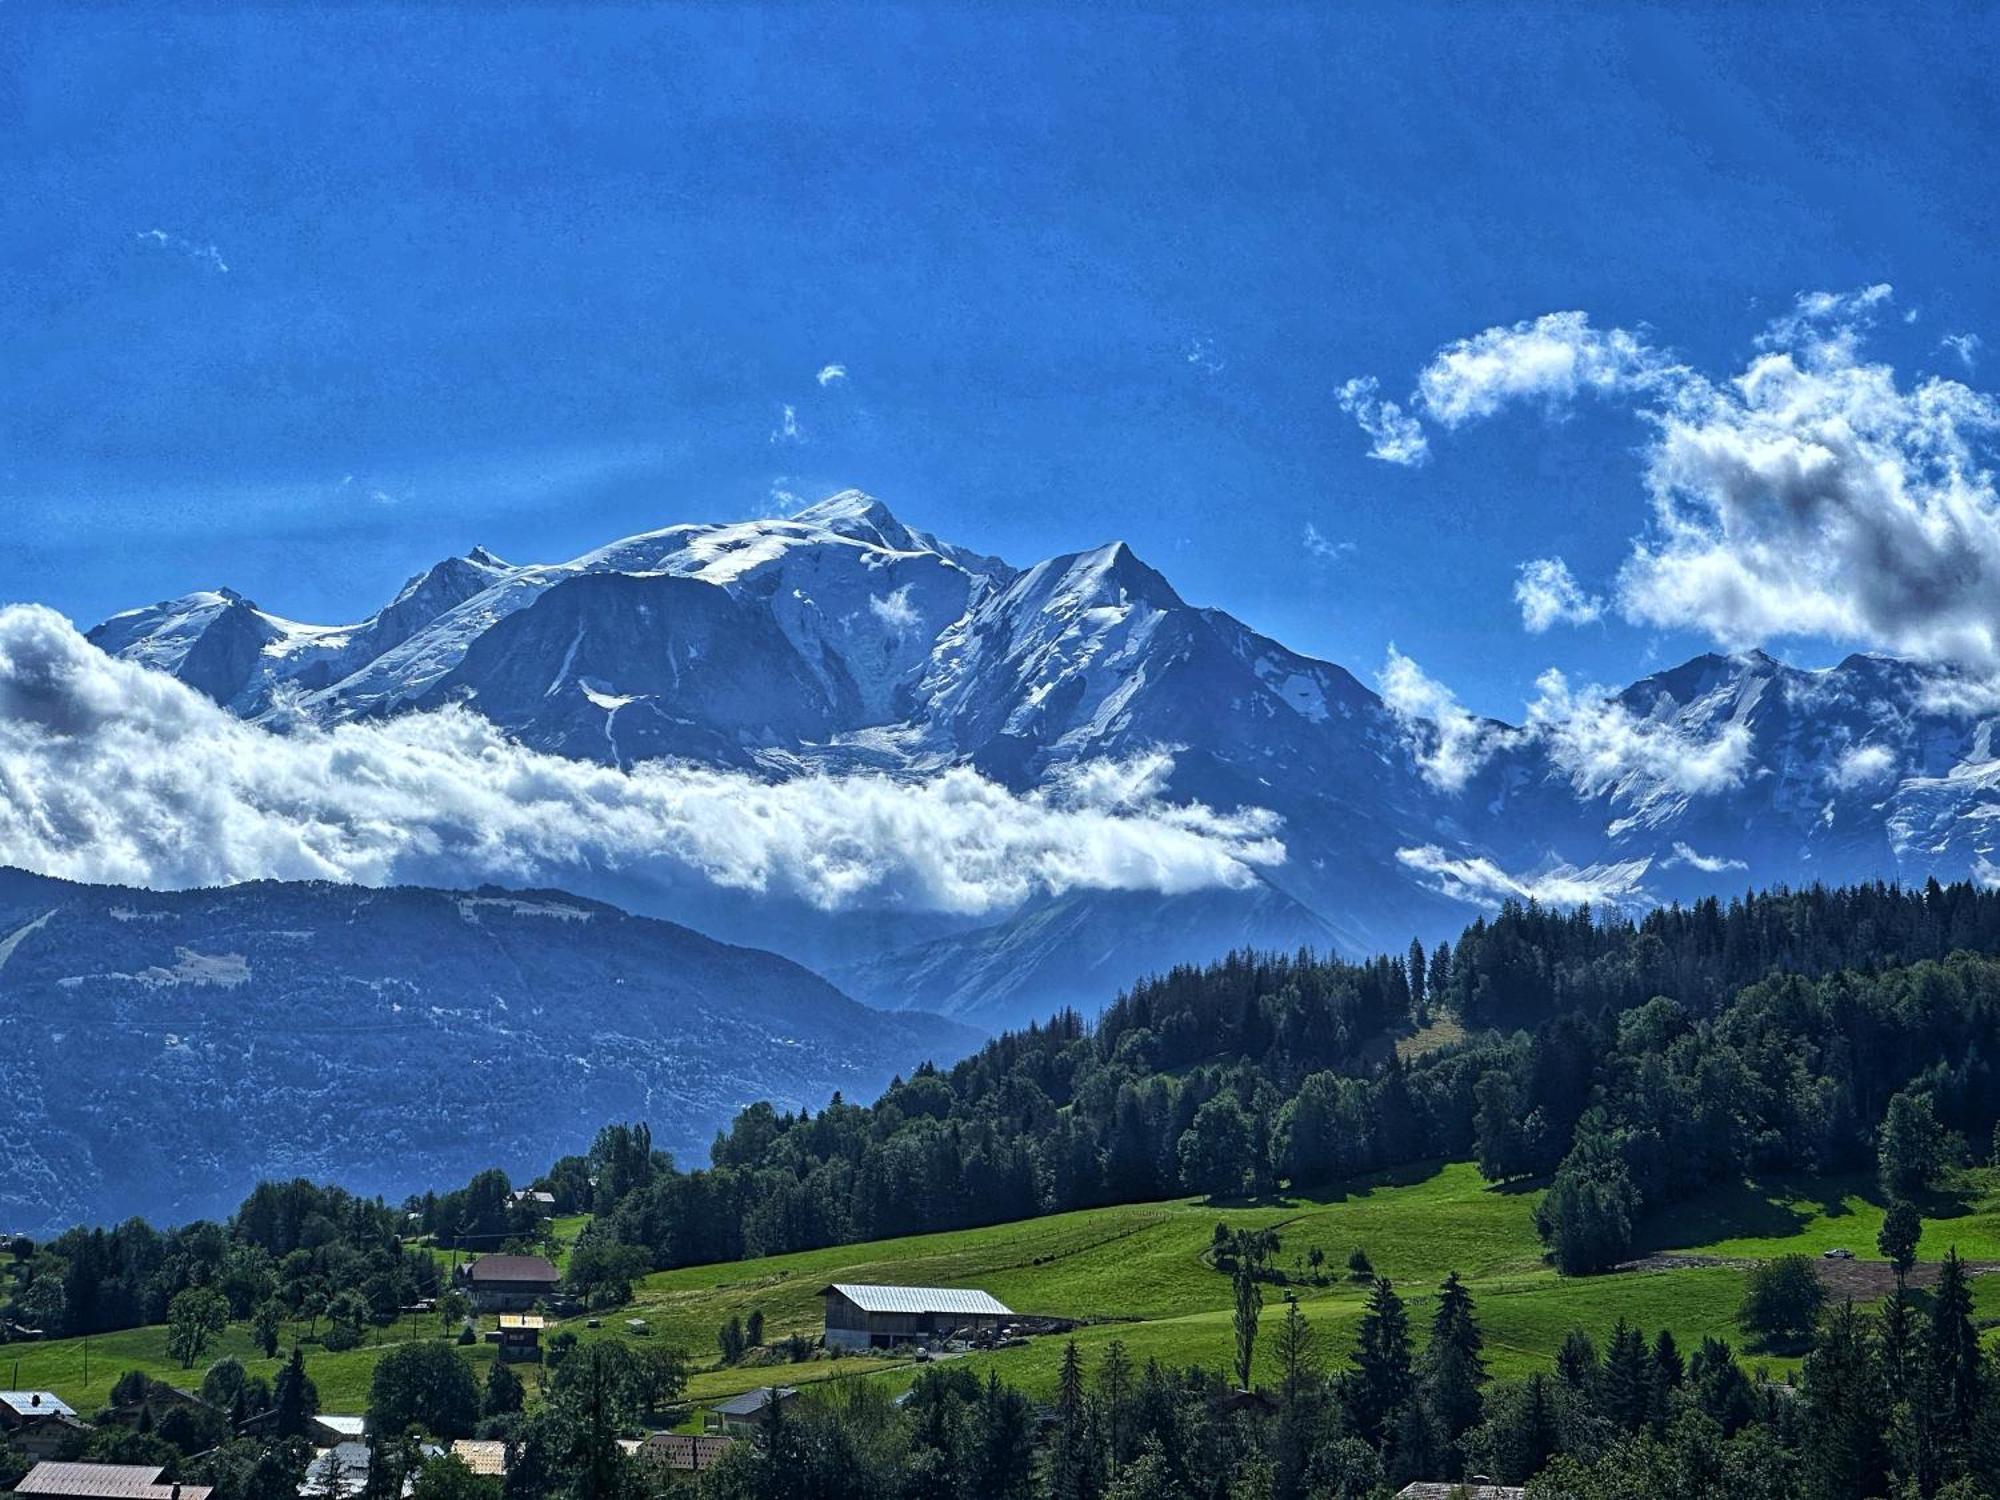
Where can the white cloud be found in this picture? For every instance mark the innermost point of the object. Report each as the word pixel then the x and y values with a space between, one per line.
pixel 1319 545
pixel 1708 864
pixel 207 255
pixel 110 772
pixel 788 429
pixel 1812 494
pixel 1966 346
pixel 1448 741
pixel 828 374
pixel 1479 881
pixel 1604 747
pixel 1553 358
pixel 895 610
pixel 1863 765
pixel 1549 595
pixel 1397 437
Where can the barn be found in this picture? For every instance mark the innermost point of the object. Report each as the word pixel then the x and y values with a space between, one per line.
pixel 880 1317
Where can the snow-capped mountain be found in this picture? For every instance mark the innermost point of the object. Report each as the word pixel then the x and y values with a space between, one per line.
pixel 840 639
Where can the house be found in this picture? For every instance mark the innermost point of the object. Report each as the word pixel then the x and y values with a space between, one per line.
pixel 1472 1489
pixel 38 1422
pixel 339 1470
pixel 741 1416
pixel 105 1482
pixel 326 1429
pixel 542 1203
pixel 486 1456
pixel 519 1336
pixel 687 1453
pixel 880 1317
pixel 510 1283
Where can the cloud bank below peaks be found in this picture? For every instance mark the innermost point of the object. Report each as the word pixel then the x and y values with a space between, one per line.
pixel 113 773
pixel 1812 493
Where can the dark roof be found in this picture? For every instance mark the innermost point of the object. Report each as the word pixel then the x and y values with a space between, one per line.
pixel 105 1482
pixel 512 1268
pixel 751 1402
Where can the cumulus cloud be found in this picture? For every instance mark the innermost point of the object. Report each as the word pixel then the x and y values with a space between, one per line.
pixel 1708 864
pixel 828 374
pixel 1450 743
pixel 206 255
pixel 1553 358
pixel 1863 766
pixel 1813 493
pixel 1604 747
pixel 110 772
pixel 1397 438
pixel 1549 595
pixel 1479 881
pixel 788 429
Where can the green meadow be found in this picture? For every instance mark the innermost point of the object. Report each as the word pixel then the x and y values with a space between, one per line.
pixel 1140 1273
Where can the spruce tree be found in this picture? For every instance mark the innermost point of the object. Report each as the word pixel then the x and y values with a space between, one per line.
pixel 1841 1406
pixel 1382 1379
pixel 1454 1368
pixel 1626 1382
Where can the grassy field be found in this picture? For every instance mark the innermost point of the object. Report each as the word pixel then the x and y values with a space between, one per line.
pixel 1138 1273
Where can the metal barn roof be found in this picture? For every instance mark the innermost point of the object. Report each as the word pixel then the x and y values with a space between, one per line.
pixel 923 1299
pixel 37 1403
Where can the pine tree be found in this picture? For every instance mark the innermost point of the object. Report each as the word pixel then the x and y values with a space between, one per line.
pixel 1955 1354
pixel 1625 1384
pixel 1382 1379
pixel 1298 1358
pixel 1842 1413
pixel 1454 1369
pixel 1576 1363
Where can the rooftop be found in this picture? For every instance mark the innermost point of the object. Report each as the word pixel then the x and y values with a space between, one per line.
pixel 36 1403
pixel 512 1268
pixel 482 1455
pixel 923 1299
pixel 105 1482
pixel 1470 1490
pixel 751 1402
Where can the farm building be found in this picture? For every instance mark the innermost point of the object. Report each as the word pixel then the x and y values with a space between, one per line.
pixel 106 1482
pixel 880 1317
pixel 509 1283
pixel 39 1423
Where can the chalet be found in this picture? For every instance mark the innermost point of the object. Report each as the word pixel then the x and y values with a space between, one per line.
pixel 339 1470
pixel 519 1336
pixel 880 1317
pixel 509 1283
pixel 685 1452
pixel 1471 1489
pixel 105 1482
pixel 542 1203
pixel 749 1413
pixel 38 1423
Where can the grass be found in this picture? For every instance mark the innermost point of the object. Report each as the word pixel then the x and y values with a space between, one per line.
pixel 1138 1273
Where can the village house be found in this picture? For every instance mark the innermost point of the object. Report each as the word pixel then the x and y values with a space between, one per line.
pixel 1471 1489
pixel 880 1317
pixel 38 1422
pixel 519 1336
pixel 542 1203
pixel 106 1482
pixel 749 1413
pixel 509 1283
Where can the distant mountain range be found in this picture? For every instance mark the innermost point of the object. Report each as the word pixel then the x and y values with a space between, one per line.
pixel 840 639
pixel 161 1052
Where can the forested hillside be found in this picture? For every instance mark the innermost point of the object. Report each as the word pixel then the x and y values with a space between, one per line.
pixel 1635 1061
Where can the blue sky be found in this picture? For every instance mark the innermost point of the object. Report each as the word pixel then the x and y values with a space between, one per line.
pixel 300 302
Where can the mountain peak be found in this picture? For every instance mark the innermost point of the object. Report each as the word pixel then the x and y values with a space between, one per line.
pixel 485 559
pixel 850 508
